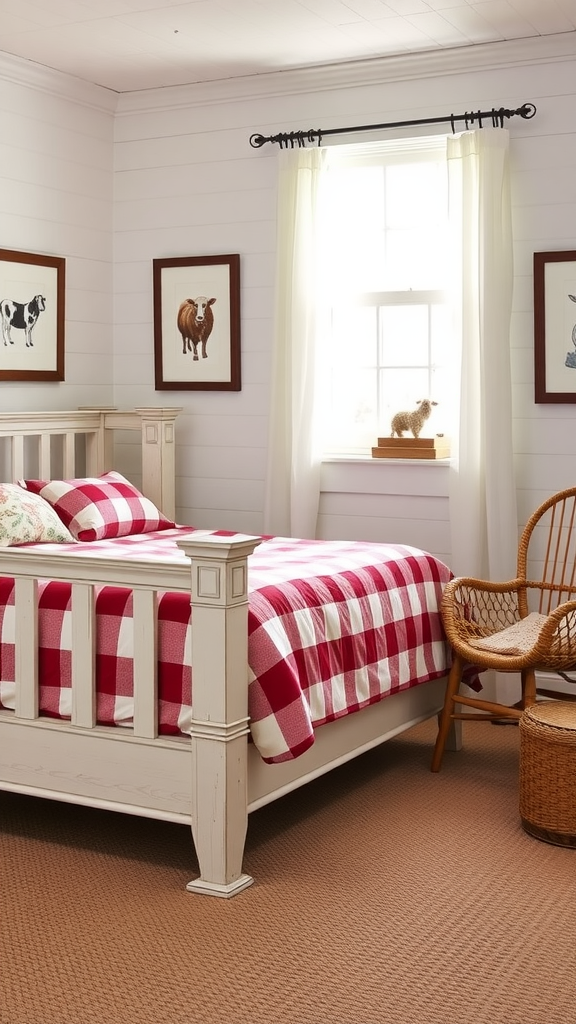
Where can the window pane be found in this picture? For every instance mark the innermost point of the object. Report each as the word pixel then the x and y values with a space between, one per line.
pixel 416 215
pixel 404 335
pixel 352 418
pixel 354 228
pixel 415 259
pixel 416 195
pixel 400 389
pixel 442 392
pixel 445 369
pixel 354 341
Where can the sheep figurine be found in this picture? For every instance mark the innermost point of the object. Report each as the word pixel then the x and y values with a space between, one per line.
pixel 412 420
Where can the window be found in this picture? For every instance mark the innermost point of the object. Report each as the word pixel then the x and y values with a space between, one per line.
pixel 385 256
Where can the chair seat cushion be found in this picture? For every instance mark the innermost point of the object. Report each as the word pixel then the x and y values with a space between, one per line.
pixel 516 639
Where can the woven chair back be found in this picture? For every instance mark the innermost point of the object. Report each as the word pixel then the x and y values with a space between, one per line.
pixel 547 554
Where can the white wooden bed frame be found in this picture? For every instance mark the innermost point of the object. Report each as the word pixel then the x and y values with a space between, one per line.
pixel 212 780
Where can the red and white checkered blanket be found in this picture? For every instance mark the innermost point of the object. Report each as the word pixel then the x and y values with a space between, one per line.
pixel 333 627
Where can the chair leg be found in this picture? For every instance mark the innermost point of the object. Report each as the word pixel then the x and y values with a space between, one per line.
pixel 445 719
pixel 528 687
pixel 454 739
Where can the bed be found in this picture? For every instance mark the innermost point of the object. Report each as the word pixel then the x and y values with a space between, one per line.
pixel 250 617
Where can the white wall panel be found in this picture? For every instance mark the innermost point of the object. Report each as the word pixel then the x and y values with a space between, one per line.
pixel 187 182
pixel 232 493
pixel 221 519
pixel 56 197
pixel 179 179
pixel 433 536
pixel 223 463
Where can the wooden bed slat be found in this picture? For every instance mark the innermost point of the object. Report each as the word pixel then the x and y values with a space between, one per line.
pixel 99 449
pixel 83 656
pixel 45 457
pixel 69 455
pixel 145 663
pixel 26 641
pixel 17 454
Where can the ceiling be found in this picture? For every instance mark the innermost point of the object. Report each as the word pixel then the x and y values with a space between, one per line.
pixel 129 45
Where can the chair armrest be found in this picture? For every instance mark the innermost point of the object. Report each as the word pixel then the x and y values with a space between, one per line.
pixel 475 608
pixel 472 612
pixel 556 644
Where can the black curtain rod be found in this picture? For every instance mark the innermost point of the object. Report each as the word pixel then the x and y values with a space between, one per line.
pixel 289 140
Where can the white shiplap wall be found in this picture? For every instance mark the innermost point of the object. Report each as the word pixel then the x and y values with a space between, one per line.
pixel 56 198
pixel 187 182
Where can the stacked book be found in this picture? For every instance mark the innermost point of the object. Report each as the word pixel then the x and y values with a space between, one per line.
pixel 437 447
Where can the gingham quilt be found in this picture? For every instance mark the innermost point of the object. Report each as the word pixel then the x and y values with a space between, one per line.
pixel 333 627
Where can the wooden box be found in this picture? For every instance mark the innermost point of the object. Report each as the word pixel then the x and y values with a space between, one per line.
pixel 437 447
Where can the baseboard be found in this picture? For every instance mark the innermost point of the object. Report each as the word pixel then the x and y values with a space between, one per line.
pixel 508 685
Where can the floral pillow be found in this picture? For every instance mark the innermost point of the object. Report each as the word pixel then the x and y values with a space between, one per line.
pixel 100 508
pixel 25 518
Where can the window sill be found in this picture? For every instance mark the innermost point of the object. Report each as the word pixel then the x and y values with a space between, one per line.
pixel 355 474
pixel 363 459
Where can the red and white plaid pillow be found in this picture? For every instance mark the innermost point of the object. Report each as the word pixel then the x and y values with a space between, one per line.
pixel 99 508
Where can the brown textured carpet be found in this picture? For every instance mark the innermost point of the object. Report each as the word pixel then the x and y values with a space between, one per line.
pixel 383 895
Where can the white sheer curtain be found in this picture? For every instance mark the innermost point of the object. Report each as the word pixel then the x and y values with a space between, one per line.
pixel 293 478
pixel 482 491
pixel 483 516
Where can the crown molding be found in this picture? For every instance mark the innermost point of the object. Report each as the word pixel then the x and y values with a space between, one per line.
pixel 352 74
pixel 37 76
pixel 317 78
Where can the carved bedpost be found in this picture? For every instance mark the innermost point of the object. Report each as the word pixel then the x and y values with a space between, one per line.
pixel 219 708
pixel 159 457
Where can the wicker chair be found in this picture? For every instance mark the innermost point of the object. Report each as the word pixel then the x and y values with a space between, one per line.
pixel 524 625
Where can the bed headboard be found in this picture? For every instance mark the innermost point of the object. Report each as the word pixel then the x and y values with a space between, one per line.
pixel 50 445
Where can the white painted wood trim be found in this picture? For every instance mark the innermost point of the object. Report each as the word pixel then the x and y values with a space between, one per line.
pixel 26 642
pixel 145 626
pixel 156 427
pixel 219 595
pixel 83 656
pixel 44 457
pixel 352 74
pixel 17 455
pixel 342 740
pixel 159 457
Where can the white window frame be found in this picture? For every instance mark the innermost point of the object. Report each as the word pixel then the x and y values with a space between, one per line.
pixel 388 152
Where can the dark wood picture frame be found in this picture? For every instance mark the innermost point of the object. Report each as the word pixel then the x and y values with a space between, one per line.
pixel 32 313
pixel 555 326
pixel 197 323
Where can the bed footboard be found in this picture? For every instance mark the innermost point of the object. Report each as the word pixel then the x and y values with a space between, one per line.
pixel 202 781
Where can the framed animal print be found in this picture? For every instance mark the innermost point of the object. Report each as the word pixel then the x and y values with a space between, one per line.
pixel 555 326
pixel 197 323
pixel 32 291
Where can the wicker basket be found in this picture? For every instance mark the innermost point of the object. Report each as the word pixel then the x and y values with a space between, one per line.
pixel 548 772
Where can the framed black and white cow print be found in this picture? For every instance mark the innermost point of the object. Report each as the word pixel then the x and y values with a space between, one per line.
pixel 32 315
